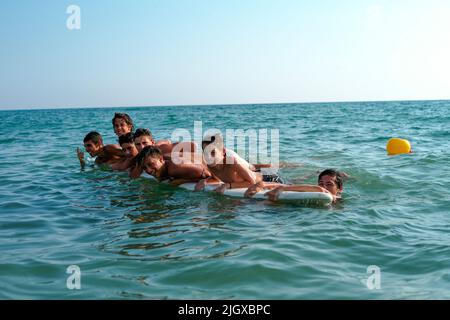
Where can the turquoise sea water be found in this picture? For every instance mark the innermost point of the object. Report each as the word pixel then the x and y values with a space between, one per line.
pixel 136 239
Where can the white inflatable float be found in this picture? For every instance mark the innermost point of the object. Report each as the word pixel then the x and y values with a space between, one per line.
pixel 301 198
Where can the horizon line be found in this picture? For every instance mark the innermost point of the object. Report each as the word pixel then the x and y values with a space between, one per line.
pixel 210 105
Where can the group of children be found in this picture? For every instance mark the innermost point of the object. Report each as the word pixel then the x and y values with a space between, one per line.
pixel 138 151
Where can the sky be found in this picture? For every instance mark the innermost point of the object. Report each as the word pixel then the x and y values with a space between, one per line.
pixel 189 52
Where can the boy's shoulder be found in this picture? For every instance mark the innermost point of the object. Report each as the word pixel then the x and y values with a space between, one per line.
pixel 163 142
pixel 235 158
pixel 112 147
pixel 111 151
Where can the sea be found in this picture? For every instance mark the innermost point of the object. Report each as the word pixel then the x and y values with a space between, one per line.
pixel 67 233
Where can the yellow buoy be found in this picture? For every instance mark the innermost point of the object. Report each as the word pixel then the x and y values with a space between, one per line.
pixel 398 146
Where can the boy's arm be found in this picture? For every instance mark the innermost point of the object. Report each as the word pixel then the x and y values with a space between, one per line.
pixel 260 186
pixel 113 150
pixel 80 156
pixel 135 171
pixel 123 165
pixel 204 182
pixel 246 174
pixel 190 172
pixel 274 194
pixel 304 188
pixel 238 185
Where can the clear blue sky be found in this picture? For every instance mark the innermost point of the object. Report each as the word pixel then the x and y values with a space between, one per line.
pixel 171 52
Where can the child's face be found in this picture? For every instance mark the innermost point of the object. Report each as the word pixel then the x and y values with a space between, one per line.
pixel 329 183
pixel 153 166
pixel 121 127
pixel 129 150
pixel 142 142
pixel 92 148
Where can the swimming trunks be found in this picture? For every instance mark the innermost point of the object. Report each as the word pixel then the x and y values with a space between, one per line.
pixel 275 178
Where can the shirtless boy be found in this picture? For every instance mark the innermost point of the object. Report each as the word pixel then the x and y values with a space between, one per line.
pixel 105 154
pixel 152 160
pixel 226 166
pixel 129 151
pixel 329 181
pixel 144 138
pixel 122 124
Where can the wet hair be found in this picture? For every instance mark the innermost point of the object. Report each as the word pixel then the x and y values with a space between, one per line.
pixel 93 136
pixel 126 138
pixel 149 151
pixel 333 173
pixel 207 140
pixel 124 117
pixel 142 132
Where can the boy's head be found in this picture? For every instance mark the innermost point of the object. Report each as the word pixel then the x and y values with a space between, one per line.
pixel 93 143
pixel 126 141
pixel 151 160
pixel 122 124
pixel 143 138
pixel 332 180
pixel 213 149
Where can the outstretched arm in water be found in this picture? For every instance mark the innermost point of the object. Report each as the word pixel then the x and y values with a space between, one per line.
pixel 257 187
pixel 274 194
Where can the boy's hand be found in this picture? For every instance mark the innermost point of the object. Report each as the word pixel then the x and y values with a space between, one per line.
pixel 80 154
pixel 135 172
pixel 274 194
pixel 221 189
pixel 199 186
pixel 254 189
